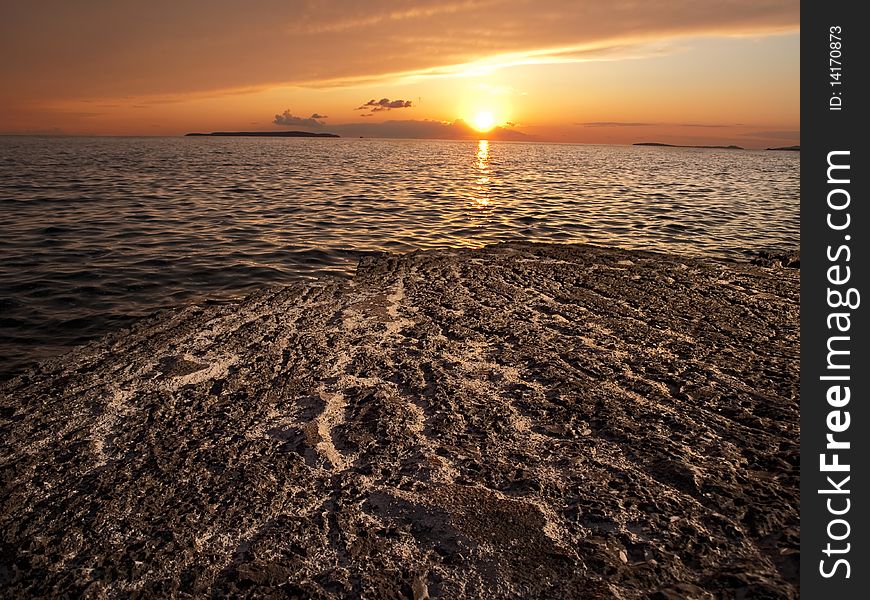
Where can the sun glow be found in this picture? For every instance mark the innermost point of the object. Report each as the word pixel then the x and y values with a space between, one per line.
pixel 483 120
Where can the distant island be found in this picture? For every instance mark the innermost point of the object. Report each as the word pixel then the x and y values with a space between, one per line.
pixel 262 134
pixel 678 146
pixel 787 148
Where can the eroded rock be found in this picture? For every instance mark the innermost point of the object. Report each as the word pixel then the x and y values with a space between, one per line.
pixel 519 421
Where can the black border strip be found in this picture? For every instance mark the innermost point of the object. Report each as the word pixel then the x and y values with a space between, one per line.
pixel 833 109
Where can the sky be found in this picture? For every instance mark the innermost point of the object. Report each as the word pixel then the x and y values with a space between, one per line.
pixel 622 71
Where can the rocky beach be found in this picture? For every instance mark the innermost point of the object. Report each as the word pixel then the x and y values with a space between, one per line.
pixel 518 421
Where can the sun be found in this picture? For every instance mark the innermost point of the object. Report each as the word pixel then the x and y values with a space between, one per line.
pixel 483 120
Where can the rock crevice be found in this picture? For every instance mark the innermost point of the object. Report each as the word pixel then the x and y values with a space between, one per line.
pixel 518 421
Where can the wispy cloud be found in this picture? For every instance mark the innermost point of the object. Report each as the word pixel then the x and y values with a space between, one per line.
pixel 339 41
pixel 636 124
pixel 614 124
pixel 628 50
pixel 394 16
pixel 777 135
pixel 708 125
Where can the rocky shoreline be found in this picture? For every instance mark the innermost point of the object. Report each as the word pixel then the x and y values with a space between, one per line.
pixel 518 421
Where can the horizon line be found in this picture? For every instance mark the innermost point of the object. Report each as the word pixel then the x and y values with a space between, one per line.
pixel 338 136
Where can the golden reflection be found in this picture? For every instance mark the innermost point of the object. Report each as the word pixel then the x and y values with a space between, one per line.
pixel 481 197
pixel 482 154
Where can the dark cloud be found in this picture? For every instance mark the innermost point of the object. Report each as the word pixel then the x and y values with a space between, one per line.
pixel 288 119
pixel 384 104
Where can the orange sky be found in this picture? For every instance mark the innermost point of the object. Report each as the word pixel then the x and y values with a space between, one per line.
pixel 676 71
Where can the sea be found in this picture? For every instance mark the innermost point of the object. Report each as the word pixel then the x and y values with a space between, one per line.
pixel 96 232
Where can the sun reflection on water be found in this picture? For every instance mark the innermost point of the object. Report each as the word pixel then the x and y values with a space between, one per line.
pixel 481 196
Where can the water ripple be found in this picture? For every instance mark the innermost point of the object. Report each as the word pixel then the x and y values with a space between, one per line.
pixel 99 231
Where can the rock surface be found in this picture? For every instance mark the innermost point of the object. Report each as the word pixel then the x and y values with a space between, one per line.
pixel 520 421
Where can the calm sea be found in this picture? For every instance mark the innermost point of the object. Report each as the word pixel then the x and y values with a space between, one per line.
pixel 95 232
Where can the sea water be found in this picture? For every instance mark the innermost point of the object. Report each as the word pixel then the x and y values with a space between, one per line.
pixel 96 232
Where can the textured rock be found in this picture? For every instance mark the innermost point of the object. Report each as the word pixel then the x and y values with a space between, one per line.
pixel 519 421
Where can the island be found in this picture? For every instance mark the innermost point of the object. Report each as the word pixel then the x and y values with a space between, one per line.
pixel 263 134
pixel 516 421
pixel 659 144
pixel 787 148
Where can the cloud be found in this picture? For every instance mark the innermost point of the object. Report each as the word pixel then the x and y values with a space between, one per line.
pixel 383 104
pixel 288 119
pixel 703 125
pixel 341 41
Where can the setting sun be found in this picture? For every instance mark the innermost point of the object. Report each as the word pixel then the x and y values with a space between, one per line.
pixel 483 121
